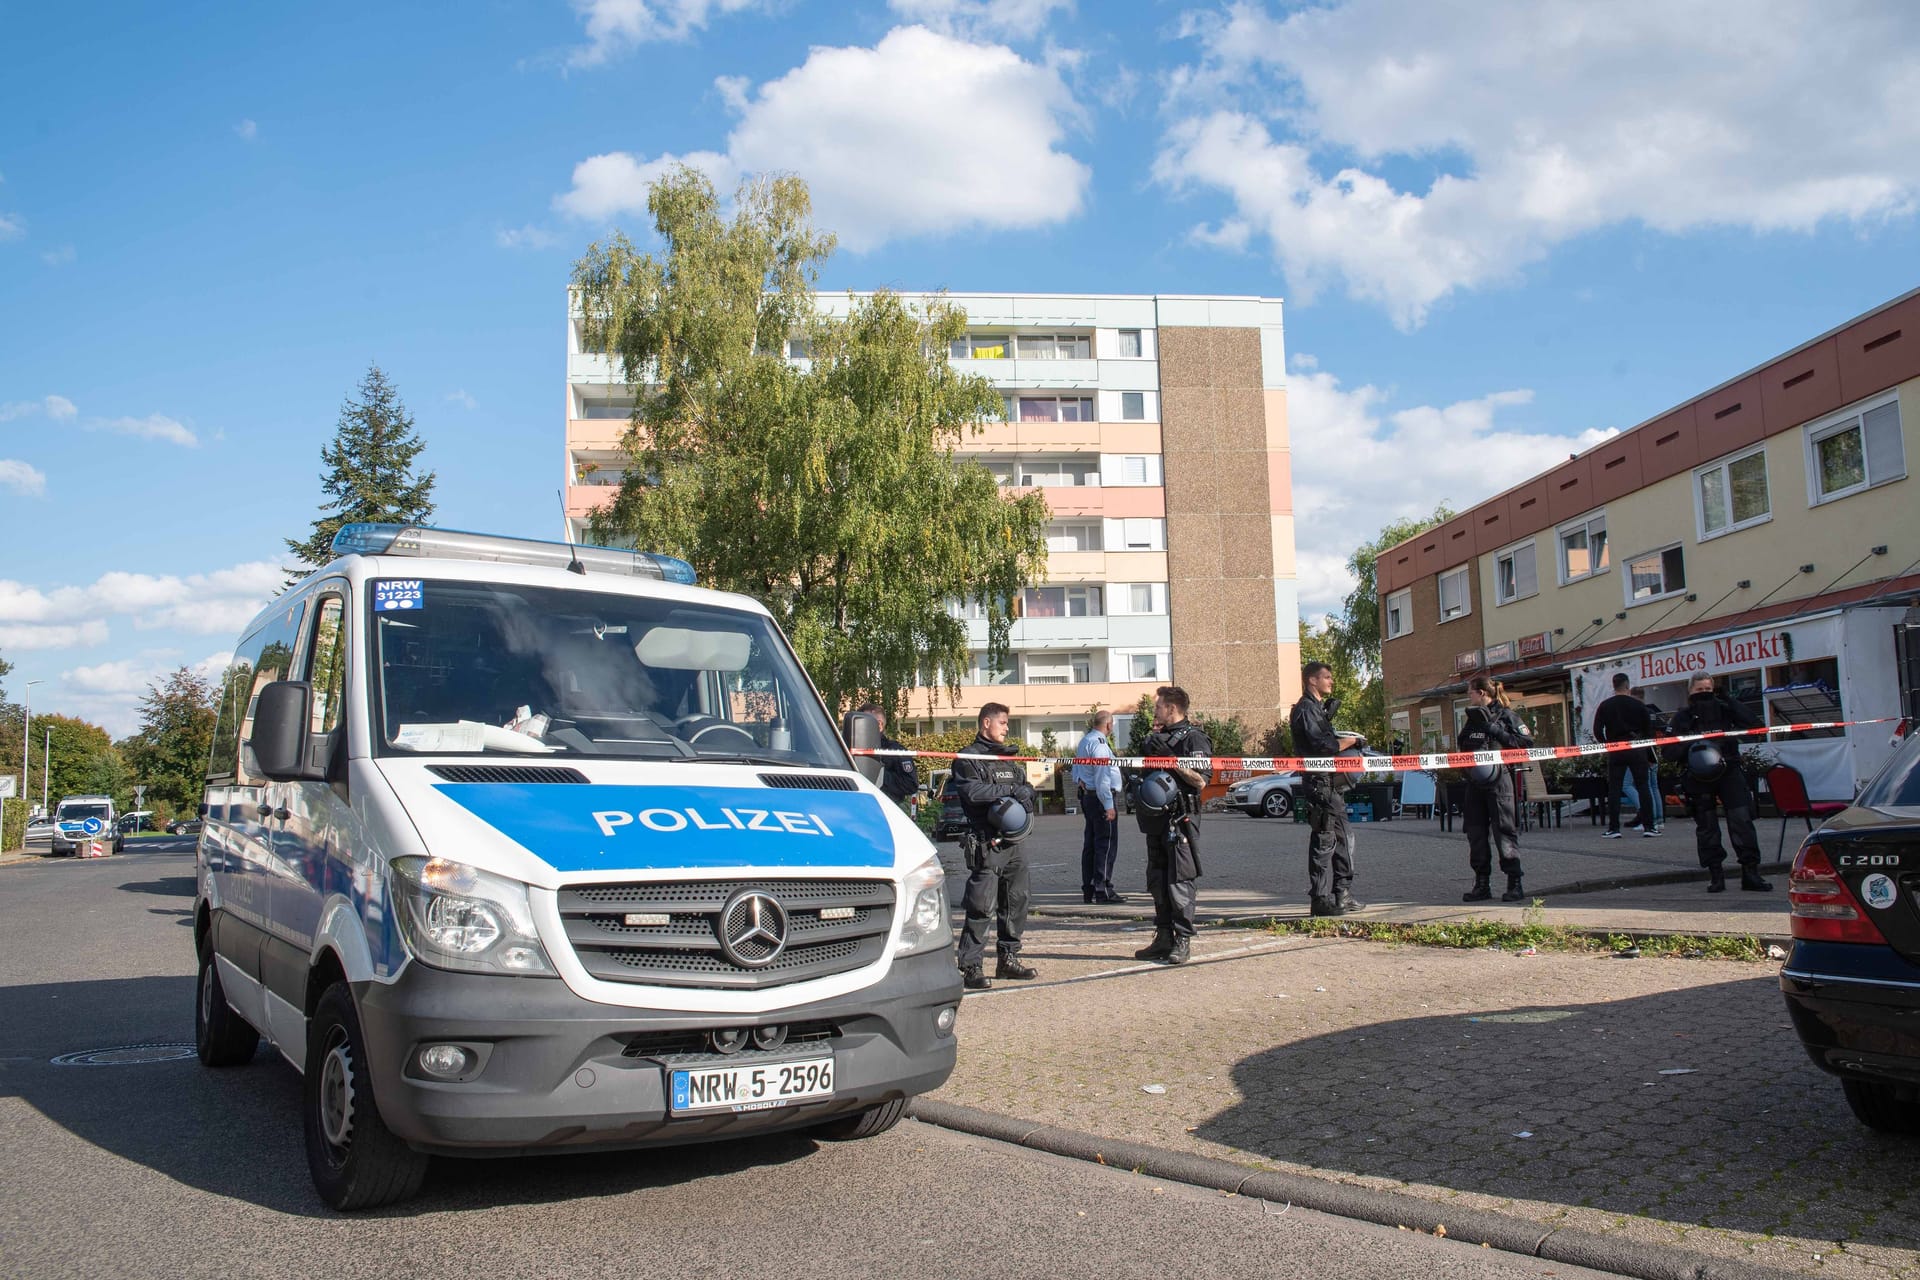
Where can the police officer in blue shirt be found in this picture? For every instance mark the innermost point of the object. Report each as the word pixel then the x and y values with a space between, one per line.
pixel 1099 792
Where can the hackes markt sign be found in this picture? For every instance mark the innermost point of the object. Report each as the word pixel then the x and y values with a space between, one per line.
pixel 1728 652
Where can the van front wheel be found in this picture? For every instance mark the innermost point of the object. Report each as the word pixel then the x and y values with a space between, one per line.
pixel 355 1160
pixel 862 1124
pixel 222 1036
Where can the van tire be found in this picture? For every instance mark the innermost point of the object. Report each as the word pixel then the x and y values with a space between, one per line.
pixel 221 1036
pixel 1884 1106
pixel 862 1124
pixel 355 1160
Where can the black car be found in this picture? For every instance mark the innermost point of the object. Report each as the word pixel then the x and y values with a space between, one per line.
pixel 1852 982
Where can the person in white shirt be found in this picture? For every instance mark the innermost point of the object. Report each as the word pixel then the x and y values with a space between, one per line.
pixel 1099 791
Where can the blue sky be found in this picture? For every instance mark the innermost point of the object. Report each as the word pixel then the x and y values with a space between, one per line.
pixel 1515 234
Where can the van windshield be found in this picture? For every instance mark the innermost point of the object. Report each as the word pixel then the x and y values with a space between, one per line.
pixel 81 812
pixel 475 668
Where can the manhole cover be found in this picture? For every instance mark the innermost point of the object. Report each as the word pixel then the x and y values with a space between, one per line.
pixel 126 1055
pixel 1529 1015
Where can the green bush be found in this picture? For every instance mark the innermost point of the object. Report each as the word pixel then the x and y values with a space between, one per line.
pixel 13 829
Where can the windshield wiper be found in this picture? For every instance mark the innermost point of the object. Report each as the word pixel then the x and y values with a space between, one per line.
pixel 739 757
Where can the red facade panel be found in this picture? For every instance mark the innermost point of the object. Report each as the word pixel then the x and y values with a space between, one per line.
pixel 1527 509
pixel 1426 554
pixel 1456 541
pixel 1730 418
pixel 1570 489
pixel 1668 446
pixel 1879 352
pixel 1802 387
pixel 1395 569
pixel 1616 469
pixel 1491 526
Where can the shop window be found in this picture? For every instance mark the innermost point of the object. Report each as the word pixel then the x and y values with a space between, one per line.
pixel 1515 574
pixel 1732 494
pixel 1804 693
pixel 1430 730
pixel 1856 451
pixel 1656 575
pixel 1454 596
pixel 1746 688
pixel 1583 549
pixel 1399 613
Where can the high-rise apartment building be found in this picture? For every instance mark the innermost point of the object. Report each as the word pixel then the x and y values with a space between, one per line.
pixel 1157 428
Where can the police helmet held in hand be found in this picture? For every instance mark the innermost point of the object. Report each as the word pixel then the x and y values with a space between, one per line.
pixel 1330 847
pixel 1172 825
pixel 1714 778
pixel 999 805
pixel 1492 810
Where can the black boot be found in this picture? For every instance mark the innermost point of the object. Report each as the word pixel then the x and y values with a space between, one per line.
pixel 1009 966
pixel 973 978
pixel 1716 879
pixel 1325 907
pixel 1481 891
pixel 1750 879
pixel 1514 891
pixel 1180 954
pixel 1161 944
pixel 1349 904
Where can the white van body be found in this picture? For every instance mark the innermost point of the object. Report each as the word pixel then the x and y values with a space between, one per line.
pixel 80 820
pixel 509 898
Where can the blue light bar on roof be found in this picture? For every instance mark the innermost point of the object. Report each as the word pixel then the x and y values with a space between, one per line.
pixel 452 544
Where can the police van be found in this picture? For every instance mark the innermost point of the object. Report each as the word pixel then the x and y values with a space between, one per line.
pixel 519 847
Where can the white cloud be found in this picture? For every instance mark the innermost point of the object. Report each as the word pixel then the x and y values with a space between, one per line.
pixel 246 130
pixel 109 693
pixel 22 478
pixel 1357 465
pixel 527 237
pixel 1541 120
pixel 970 137
pixel 56 407
pixel 12 226
pixel 996 19
pixel 462 399
pixel 59 407
pixel 155 426
pixel 614 27
pixel 215 603
pixel 61 635
pixel 63 256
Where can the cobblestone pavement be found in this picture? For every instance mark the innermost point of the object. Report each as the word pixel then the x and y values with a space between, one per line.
pixel 1546 1086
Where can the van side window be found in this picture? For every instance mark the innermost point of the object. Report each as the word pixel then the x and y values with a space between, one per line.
pixel 327 663
pixel 260 659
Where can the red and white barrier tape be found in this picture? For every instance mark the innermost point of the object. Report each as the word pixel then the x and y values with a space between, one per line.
pixel 1380 764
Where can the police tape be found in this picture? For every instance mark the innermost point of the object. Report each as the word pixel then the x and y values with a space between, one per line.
pixel 1425 761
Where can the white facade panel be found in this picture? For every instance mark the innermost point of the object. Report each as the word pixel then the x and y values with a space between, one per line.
pixel 1273 356
pixel 1128 375
pixel 1124 313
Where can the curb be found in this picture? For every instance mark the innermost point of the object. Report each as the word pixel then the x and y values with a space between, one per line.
pixel 1692 876
pixel 1501 1231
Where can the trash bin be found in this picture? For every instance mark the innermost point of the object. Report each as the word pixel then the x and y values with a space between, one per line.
pixel 1378 796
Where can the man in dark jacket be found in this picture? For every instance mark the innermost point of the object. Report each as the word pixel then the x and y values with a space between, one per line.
pixel 898 781
pixel 1710 711
pixel 1624 718
pixel 1329 852
pixel 1173 839
pixel 996 892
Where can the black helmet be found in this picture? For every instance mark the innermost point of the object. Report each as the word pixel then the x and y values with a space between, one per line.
pixel 1483 775
pixel 1705 761
pixel 1010 820
pixel 1157 793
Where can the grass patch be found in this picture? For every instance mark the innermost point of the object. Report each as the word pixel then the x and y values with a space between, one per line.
pixel 1475 935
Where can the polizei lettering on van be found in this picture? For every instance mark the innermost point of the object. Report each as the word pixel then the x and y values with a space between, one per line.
pixel 597 828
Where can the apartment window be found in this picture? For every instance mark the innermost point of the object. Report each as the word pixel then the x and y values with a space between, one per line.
pixel 1139 469
pixel 1142 534
pixel 1454 597
pixel 980 346
pixel 1054 472
pixel 1399 613
pixel 799 349
pixel 1062 602
pixel 1656 575
pixel 1516 574
pixel 1049 346
pixel 1130 343
pixel 1056 408
pixel 981 671
pixel 1732 494
pixel 1059 668
pixel 1073 537
pixel 1133 406
pixel 1583 549
pixel 1139 597
pixel 1149 666
pixel 970 610
pixel 1856 451
pixel 607 409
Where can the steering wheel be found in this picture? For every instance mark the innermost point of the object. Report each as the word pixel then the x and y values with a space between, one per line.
pixel 694 729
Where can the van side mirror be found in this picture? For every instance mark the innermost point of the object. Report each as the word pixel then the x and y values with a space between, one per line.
pixel 279 741
pixel 861 729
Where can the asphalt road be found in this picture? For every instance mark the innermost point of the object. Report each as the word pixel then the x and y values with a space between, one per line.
pixel 161 1167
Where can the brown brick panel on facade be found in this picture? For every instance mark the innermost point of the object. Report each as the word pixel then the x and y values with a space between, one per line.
pixel 1424 658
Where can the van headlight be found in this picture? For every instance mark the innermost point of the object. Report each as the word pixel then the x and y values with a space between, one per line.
pixel 459 917
pixel 926 927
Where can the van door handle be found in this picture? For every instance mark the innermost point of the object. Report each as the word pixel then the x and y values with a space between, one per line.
pixel 266 811
pixel 281 813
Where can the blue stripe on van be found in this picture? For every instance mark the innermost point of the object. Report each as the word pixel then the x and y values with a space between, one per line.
pixel 626 828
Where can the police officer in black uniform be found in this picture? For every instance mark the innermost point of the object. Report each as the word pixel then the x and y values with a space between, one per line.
pixel 1491 820
pixel 1329 852
pixel 1712 772
pixel 1173 836
pixel 996 890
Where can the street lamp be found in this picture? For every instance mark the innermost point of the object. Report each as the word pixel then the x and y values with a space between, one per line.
pixel 26 744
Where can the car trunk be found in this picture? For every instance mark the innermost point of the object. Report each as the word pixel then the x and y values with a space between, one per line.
pixel 1877 856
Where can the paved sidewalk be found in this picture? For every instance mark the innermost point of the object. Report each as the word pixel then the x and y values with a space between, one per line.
pixel 1664 1102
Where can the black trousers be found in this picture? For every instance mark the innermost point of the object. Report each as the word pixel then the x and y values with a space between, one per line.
pixel 1170 880
pixel 1330 850
pixel 1619 765
pixel 1729 790
pixel 995 897
pixel 1493 827
pixel 1099 845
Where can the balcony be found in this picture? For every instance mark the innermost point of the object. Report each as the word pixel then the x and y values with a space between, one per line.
pixel 1036 375
pixel 599 434
pixel 584 499
pixel 1115 502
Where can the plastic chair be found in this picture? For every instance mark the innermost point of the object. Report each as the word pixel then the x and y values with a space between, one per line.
pixel 1789 792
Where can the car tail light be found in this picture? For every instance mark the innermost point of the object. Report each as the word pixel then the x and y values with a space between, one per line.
pixel 1823 908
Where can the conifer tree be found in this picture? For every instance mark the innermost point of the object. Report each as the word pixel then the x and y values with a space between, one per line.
pixel 369 470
